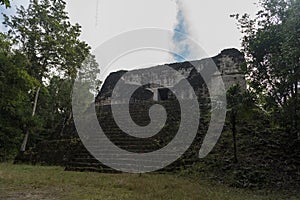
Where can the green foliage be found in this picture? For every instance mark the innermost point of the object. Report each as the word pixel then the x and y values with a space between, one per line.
pixel 53 55
pixel 241 102
pixel 271 43
pixel 48 39
pixel 5 2
pixel 240 105
pixel 15 104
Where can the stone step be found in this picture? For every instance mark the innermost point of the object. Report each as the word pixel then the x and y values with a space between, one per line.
pixel 82 160
pixel 130 145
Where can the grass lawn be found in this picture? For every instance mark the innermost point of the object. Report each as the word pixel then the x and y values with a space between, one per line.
pixel 37 182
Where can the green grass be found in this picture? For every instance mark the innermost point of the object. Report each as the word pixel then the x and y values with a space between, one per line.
pixel 37 182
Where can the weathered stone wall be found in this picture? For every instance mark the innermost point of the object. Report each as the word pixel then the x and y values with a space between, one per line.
pixel 228 62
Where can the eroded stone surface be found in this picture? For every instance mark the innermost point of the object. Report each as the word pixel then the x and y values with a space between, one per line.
pixel 228 62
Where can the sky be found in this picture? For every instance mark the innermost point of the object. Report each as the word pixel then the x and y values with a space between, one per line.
pixel 207 22
pixel 181 34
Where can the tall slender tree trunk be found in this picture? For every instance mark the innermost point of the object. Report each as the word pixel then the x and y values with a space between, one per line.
pixel 25 140
pixel 233 129
pixel 66 121
pixel 296 111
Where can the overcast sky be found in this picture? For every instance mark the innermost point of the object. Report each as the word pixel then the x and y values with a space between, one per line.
pixel 207 22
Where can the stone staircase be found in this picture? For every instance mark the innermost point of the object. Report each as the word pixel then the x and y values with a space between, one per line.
pixel 82 160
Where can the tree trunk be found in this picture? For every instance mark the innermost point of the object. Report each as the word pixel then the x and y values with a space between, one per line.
pixel 66 121
pixel 233 129
pixel 70 115
pixel 25 140
pixel 296 111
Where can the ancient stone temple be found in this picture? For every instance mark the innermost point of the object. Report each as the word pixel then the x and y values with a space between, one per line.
pixel 228 63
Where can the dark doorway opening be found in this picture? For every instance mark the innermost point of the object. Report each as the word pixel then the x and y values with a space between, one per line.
pixel 163 94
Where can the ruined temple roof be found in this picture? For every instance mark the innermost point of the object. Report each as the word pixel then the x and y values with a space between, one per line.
pixel 235 56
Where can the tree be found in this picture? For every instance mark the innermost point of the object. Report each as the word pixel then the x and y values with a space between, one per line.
pixel 15 85
pixel 49 41
pixel 5 2
pixel 240 105
pixel 271 44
